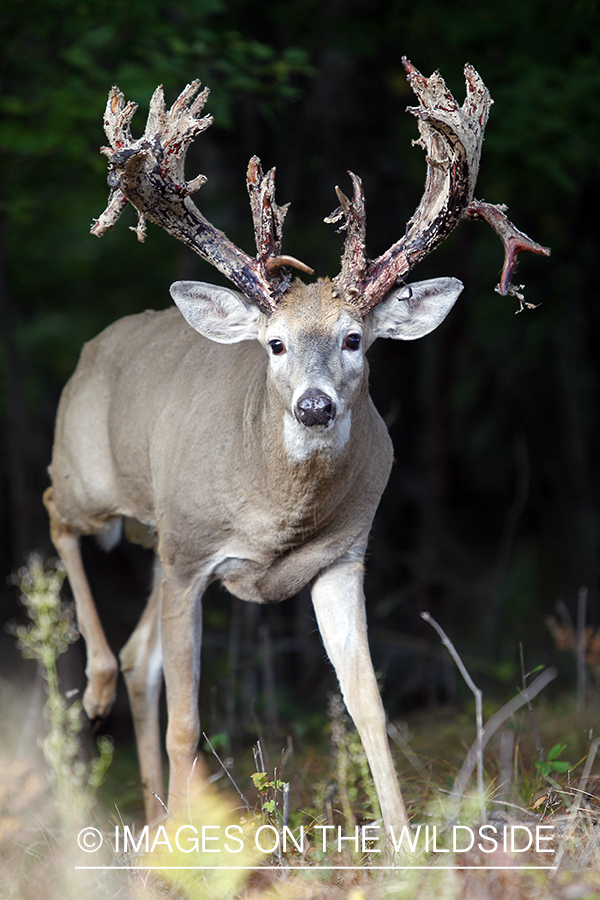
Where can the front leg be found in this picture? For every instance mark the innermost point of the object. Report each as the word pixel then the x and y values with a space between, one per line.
pixel 181 635
pixel 339 602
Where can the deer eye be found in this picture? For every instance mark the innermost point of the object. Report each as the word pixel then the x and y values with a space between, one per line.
pixel 277 347
pixel 352 342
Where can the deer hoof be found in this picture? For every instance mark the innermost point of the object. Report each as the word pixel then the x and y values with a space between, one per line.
pixel 100 694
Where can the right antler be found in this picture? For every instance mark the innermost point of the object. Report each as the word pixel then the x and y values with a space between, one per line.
pixel 149 173
pixel 452 137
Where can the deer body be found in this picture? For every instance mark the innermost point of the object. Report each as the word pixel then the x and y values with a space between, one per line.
pixel 201 460
pixel 246 446
pixel 255 466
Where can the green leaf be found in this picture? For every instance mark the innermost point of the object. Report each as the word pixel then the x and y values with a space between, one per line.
pixel 259 779
pixel 556 751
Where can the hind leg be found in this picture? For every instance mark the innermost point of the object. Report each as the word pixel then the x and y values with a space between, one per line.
pixel 141 664
pixel 101 668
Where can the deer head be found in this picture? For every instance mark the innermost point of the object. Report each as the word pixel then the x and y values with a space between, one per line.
pixel 316 343
pixel 315 336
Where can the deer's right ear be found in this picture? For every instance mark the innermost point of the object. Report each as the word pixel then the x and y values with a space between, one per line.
pixel 218 313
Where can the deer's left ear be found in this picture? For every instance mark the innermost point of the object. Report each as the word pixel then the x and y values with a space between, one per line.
pixel 414 310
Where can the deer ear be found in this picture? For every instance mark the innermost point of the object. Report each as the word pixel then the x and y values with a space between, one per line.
pixel 223 315
pixel 414 310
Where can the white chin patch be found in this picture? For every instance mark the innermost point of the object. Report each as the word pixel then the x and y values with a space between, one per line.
pixel 301 441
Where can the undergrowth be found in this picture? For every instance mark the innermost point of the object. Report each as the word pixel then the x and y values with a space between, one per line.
pixel 306 828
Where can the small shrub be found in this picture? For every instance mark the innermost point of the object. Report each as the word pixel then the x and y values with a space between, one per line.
pixel 51 629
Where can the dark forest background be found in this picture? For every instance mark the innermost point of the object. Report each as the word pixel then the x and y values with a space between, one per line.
pixel 491 516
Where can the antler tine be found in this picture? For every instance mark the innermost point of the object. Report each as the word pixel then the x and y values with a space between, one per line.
pixel 149 173
pixel 354 259
pixel 118 116
pixel 452 138
pixel 117 119
pixel 268 218
pixel 513 240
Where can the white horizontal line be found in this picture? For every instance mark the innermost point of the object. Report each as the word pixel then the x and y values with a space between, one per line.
pixel 315 868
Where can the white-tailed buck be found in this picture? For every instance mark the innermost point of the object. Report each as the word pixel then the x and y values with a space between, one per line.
pixel 238 429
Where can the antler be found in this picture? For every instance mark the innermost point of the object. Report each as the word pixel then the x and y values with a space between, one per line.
pixel 514 242
pixel 149 173
pixel 452 138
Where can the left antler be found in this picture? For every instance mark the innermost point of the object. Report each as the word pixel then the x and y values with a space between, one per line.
pixel 452 138
pixel 149 173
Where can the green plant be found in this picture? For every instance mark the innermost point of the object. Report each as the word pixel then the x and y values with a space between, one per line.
pixel 350 782
pixel 553 766
pixel 268 794
pixel 52 628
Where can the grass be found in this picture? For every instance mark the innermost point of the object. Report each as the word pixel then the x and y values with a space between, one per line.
pixel 49 796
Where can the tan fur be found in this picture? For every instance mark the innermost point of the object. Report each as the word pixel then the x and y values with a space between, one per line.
pixel 185 436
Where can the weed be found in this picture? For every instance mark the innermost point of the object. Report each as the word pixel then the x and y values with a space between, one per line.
pixel 48 635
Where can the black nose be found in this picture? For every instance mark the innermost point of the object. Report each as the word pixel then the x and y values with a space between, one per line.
pixel 314 408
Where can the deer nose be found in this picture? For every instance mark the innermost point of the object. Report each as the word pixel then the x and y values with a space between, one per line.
pixel 314 408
